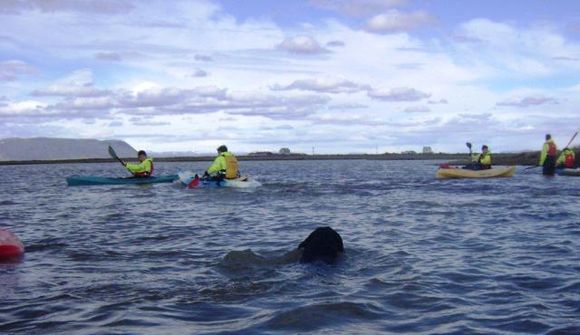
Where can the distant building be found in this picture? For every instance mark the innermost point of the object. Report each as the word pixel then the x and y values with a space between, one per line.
pixel 410 152
pixel 284 151
pixel 427 150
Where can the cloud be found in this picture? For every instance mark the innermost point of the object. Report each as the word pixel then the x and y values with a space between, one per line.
pixel 396 21
pixel 11 70
pixel 306 45
pixel 78 84
pixel 199 73
pixel 417 109
pixel 81 100
pixel 115 124
pixel 357 7
pixel 323 85
pixel 438 102
pixel 348 106
pixel 527 101
pixel 150 123
pixel 335 44
pixel 398 94
pixel 49 6
pixel 108 56
pixel 566 58
pixel 203 58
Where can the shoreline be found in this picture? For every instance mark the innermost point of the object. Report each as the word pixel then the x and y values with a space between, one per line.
pixel 525 158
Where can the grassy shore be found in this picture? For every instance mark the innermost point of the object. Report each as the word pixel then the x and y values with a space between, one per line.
pixel 526 158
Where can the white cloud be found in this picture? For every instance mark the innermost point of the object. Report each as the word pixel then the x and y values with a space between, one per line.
pixel 335 44
pixel 395 21
pixel 398 94
pixel 417 109
pixel 323 85
pixel 11 70
pixel 87 6
pixel 302 45
pixel 78 84
pixel 357 7
pixel 527 101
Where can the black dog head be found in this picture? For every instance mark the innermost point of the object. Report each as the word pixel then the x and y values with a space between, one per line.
pixel 322 244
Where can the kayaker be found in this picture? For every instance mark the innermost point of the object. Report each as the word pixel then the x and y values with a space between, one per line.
pixel 225 166
pixel 484 159
pixel 548 156
pixel 480 161
pixel 567 159
pixel 143 169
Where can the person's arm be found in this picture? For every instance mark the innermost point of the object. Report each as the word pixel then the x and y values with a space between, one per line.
pixel 544 154
pixel 217 165
pixel 561 159
pixel 144 166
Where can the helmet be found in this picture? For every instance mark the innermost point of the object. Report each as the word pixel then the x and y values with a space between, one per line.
pixel 222 148
pixel 141 152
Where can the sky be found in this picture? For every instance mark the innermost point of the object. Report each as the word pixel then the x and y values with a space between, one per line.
pixel 333 76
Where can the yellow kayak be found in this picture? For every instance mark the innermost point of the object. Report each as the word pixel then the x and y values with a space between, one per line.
pixel 496 172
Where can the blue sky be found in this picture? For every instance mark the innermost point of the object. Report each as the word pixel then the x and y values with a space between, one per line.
pixel 342 76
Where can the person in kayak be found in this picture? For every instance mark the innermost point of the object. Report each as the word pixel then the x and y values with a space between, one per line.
pixel 567 159
pixel 225 166
pixel 484 159
pixel 480 161
pixel 548 156
pixel 143 169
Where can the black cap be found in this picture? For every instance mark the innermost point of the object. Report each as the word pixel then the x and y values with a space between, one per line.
pixel 141 152
pixel 548 136
pixel 222 148
pixel 484 147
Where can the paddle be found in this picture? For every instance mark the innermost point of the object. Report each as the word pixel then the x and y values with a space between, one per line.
pixel 113 154
pixel 470 152
pixel 571 140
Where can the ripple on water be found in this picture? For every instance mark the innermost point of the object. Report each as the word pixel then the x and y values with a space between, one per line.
pixel 422 256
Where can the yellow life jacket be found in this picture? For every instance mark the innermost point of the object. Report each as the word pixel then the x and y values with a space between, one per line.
pixel 232 171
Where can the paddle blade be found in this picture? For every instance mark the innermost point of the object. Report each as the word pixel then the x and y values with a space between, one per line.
pixel 468 144
pixel 112 153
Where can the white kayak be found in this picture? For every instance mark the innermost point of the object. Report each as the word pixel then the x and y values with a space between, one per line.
pixel 192 180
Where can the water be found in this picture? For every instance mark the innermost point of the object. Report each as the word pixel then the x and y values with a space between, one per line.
pixel 422 256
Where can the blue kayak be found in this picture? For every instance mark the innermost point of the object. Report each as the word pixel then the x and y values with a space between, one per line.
pixel 95 180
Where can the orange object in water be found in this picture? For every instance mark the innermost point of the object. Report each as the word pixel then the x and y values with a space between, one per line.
pixel 10 246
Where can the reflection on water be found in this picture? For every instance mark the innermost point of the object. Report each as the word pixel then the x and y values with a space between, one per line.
pixel 422 255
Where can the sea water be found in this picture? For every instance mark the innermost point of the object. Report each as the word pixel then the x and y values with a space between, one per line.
pixel 423 256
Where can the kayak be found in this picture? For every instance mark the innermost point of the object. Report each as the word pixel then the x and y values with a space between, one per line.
pixel 192 180
pixel 10 246
pixel 569 172
pixel 95 180
pixel 497 172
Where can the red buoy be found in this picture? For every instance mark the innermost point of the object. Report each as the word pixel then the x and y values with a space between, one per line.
pixel 10 246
